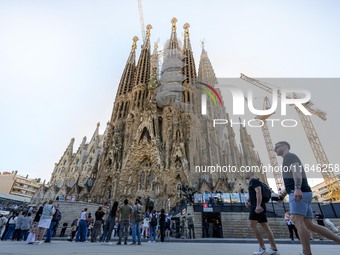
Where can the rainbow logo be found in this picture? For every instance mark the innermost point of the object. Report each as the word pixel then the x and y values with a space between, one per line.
pixel 213 94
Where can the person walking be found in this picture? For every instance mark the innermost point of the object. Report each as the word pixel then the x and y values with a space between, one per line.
pixel 291 226
pixel 124 216
pixel 110 223
pixel 300 197
pixel 137 218
pixel 99 214
pixel 82 227
pixel 258 215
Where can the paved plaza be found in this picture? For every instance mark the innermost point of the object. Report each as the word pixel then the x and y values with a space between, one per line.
pixel 173 248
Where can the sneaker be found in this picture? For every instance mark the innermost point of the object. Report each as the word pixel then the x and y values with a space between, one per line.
pixel 272 252
pixel 133 243
pixel 149 241
pixel 40 242
pixel 139 243
pixel 119 243
pixel 260 251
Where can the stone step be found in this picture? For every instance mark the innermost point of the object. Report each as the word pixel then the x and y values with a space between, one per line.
pixel 234 224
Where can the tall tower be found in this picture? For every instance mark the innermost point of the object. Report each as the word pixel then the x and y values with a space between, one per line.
pixel 156 135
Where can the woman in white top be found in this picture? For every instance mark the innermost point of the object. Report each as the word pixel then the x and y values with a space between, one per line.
pixel 45 220
pixel 82 227
pixel 145 230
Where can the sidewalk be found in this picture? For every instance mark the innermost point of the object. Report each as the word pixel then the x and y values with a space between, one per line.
pixel 218 240
pixel 169 248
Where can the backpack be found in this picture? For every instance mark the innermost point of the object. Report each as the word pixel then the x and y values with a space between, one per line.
pixel 266 192
pixel 153 220
pixel 138 213
pixel 57 215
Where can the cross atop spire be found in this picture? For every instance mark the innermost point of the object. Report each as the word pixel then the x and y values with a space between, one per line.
pixel 186 29
pixel 173 43
pixel 187 44
pixel 146 43
pixel 148 28
pixel 202 45
pixel 134 45
pixel 189 69
pixel 173 21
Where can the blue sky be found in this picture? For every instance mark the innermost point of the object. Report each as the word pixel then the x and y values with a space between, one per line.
pixel 61 61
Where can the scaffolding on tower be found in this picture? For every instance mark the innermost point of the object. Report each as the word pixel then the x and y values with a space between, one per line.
pixel 328 175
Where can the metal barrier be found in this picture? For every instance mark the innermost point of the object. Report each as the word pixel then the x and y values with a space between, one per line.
pixel 274 209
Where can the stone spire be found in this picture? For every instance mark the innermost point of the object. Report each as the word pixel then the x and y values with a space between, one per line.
pixel 189 69
pixel 96 133
pixel 69 150
pixel 154 57
pixel 143 66
pixel 206 72
pixel 125 83
pixel 187 44
pixel 154 68
pixel 173 43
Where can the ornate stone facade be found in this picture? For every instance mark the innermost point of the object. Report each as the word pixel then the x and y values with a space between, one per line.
pixel 73 175
pixel 156 136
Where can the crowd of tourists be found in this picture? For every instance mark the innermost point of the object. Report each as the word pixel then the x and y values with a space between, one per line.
pixel 103 225
pixel 21 226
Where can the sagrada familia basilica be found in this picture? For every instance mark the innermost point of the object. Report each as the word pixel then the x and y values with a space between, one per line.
pixel 157 135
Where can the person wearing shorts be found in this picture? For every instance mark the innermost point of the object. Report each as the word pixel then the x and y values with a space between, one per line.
pixel 258 215
pixel 300 197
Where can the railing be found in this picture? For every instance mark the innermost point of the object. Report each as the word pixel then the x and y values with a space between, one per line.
pixel 178 208
pixel 274 209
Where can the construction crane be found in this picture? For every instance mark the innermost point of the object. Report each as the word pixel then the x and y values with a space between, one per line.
pixel 270 147
pixel 141 18
pixel 313 138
